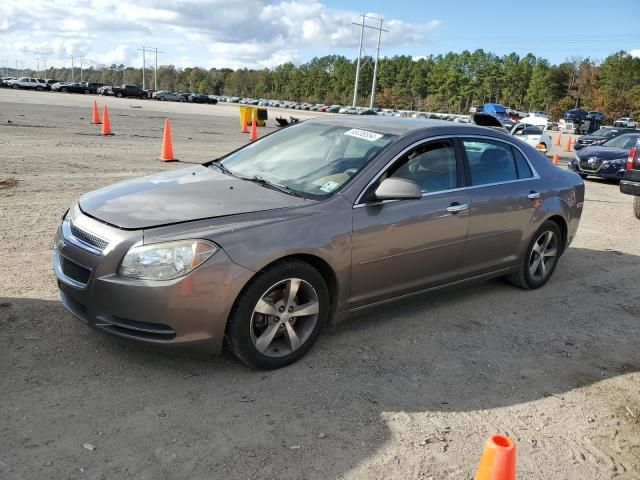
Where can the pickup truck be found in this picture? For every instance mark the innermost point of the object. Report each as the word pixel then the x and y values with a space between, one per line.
pixel 128 91
pixel 630 184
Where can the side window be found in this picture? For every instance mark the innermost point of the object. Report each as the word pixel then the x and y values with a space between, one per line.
pixel 490 162
pixel 524 170
pixel 432 166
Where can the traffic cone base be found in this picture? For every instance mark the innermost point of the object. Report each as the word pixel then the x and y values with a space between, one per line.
pixel 106 123
pixel 95 117
pixel 254 132
pixel 166 155
pixel 498 461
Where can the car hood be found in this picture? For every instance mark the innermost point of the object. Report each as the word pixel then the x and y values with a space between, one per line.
pixel 193 193
pixel 604 153
pixel 592 138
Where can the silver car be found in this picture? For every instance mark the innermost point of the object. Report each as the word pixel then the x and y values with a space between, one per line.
pixel 260 249
pixel 164 95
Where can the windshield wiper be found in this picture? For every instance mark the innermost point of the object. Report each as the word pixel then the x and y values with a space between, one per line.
pixel 276 186
pixel 223 169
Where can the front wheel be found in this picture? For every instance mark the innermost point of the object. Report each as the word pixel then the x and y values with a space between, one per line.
pixel 15 87
pixel 540 258
pixel 636 207
pixel 119 94
pixel 63 90
pixel 278 316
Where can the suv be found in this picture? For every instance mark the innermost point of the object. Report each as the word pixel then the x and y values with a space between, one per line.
pixel 30 83
pixel 631 182
pixel 128 91
pixel 626 122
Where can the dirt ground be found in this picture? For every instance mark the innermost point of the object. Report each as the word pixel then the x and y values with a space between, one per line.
pixel 411 390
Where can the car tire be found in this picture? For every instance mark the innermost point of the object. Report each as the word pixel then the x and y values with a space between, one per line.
pixel 532 275
pixel 247 326
pixel 583 175
pixel 636 207
pixel 87 92
pixel 182 99
pixel 63 90
pixel 119 94
pixel 38 89
pixel 15 87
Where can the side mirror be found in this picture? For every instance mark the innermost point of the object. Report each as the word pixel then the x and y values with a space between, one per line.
pixel 398 189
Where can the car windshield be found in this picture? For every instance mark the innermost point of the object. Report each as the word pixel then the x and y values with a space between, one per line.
pixel 311 159
pixel 623 141
pixel 605 132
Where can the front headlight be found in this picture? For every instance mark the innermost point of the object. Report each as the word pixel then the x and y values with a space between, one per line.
pixel 165 261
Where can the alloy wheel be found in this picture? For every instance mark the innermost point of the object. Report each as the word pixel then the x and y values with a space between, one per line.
pixel 543 256
pixel 284 318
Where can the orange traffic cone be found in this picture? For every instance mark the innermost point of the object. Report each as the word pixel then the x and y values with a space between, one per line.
pixel 254 132
pixel 555 159
pixel 167 147
pixel 498 461
pixel 244 122
pixel 559 140
pixel 567 148
pixel 106 124
pixel 96 115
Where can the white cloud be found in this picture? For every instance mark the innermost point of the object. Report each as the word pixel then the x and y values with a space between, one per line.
pixel 210 32
pixel 635 52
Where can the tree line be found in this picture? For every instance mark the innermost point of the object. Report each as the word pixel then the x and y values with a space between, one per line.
pixel 443 83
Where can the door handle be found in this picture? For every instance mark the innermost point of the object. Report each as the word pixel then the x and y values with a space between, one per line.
pixel 457 207
pixel 533 195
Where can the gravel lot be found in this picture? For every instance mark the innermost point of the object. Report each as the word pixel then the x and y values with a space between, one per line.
pixel 410 390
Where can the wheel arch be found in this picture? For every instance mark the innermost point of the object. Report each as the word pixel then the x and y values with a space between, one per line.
pixel 321 265
pixel 563 226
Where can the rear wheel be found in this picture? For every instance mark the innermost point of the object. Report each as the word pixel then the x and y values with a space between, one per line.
pixel 540 259
pixel 63 90
pixel 87 92
pixel 278 316
pixel 15 86
pixel 636 207
pixel 38 89
pixel 119 94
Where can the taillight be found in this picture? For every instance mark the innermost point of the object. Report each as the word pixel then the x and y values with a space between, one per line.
pixel 632 154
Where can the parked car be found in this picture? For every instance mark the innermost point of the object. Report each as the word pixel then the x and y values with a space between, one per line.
pixel 496 110
pixel 105 90
pixel 599 137
pixel 571 120
pixel 77 87
pixel 6 81
pixel 50 82
pixel 55 87
pixel 200 98
pixel 260 249
pixel 607 160
pixel 533 130
pixel 129 91
pixel 28 83
pixel 626 122
pixel 165 95
pixel 630 185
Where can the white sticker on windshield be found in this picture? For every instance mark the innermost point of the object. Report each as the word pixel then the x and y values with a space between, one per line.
pixel 363 134
pixel 330 186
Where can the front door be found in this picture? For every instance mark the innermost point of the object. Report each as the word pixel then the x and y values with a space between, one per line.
pixel 400 246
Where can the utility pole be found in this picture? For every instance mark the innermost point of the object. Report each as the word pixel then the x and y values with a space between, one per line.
pixel 73 79
pixel 155 51
pixel 362 26
pixel 5 67
pixel 81 60
pixel 375 68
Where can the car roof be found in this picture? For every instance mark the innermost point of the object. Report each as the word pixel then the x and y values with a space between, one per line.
pixel 391 125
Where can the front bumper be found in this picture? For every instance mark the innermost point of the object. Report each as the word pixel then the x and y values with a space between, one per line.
pixel 188 311
pixel 606 170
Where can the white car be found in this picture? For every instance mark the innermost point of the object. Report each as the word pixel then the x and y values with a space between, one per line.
pixel 533 130
pixel 28 82
pixel 625 122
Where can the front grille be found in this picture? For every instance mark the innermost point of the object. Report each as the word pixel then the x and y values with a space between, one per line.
pixel 88 238
pixel 587 166
pixel 74 271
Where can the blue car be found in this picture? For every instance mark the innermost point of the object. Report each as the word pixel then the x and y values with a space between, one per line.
pixel 607 160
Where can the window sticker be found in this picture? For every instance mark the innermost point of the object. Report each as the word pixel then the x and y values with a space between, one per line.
pixel 363 134
pixel 330 186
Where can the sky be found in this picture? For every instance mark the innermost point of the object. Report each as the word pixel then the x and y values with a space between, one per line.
pixel 258 34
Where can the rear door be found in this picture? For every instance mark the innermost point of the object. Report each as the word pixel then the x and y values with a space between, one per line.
pixel 401 246
pixel 504 192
